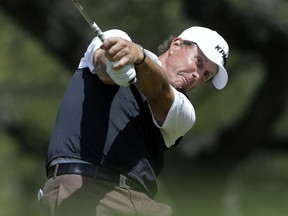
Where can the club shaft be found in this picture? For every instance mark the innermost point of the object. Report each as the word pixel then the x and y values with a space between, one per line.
pixel 91 23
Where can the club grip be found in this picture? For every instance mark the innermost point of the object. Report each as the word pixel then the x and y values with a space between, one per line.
pixel 98 31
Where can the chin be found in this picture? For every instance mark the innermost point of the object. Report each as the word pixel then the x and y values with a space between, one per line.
pixel 178 88
pixel 183 86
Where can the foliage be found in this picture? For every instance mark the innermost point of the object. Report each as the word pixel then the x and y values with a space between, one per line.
pixel 32 83
pixel 35 70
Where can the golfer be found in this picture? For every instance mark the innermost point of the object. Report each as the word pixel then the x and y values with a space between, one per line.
pixel 123 108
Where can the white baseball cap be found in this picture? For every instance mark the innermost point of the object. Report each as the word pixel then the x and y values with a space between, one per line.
pixel 214 47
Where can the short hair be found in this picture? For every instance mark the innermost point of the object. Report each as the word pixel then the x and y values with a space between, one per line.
pixel 162 48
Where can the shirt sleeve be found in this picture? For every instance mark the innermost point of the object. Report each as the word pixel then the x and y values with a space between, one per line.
pixel 87 59
pixel 180 119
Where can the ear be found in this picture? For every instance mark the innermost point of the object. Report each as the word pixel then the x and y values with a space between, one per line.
pixel 175 44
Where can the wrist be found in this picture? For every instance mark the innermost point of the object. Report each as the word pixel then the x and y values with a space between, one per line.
pixel 143 58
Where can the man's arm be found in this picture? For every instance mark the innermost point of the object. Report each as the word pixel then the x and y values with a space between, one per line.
pixel 172 111
pixel 152 80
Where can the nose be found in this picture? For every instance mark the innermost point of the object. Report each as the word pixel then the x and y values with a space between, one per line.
pixel 195 75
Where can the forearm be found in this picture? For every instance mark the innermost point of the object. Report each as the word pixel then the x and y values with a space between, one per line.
pixel 151 79
pixel 153 82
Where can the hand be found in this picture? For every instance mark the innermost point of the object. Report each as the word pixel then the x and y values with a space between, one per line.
pixel 122 52
pixel 122 77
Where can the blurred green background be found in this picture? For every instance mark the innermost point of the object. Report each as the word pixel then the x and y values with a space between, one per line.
pixel 232 163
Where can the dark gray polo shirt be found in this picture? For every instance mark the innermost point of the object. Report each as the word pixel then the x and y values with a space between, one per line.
pixel 109 126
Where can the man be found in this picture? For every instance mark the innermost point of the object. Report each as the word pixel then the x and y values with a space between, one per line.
pixel 123 108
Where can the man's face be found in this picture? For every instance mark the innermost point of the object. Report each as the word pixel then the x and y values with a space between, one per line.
pixel 187 67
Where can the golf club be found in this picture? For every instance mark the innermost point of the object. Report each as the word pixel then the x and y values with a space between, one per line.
pixel 98 32
pixel 91 23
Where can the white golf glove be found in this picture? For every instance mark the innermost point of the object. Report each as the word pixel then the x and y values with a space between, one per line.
pixel 123 77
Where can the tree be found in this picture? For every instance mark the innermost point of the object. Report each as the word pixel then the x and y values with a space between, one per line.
pixel 247 30
pixel 252 28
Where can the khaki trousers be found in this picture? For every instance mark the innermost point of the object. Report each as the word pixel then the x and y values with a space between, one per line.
pixel 75 195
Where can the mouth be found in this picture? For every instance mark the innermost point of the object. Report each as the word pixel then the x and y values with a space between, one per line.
pixel 186 80
pixel 183 82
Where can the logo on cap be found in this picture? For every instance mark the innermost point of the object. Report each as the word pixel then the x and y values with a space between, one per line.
pixel 222 52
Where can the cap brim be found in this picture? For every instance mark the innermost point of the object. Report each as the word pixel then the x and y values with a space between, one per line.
pixel 221 78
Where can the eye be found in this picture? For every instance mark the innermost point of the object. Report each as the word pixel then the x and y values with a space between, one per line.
pixel 199 61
